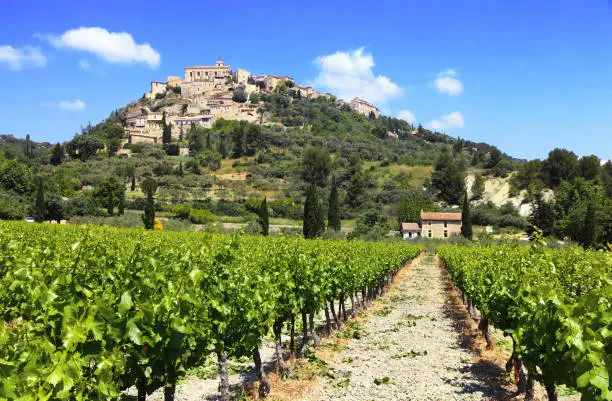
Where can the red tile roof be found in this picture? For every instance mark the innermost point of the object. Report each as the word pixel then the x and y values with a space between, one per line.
pixel 410 227
pixel 437 216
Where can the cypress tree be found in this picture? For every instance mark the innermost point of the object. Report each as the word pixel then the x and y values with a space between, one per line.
pixel 39 206
pixel 264 217
pixel 166 131
pixel 208 142
pixel 28 147
pixel 180 170
pixel 57 154
pixel 333 211
pixel 588 233
pixel 314 223
pixel 466 219
pixel 133 186
pixel 149 186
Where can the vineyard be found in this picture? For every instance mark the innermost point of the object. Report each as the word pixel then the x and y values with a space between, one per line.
pixel 90 312
pixel 556 305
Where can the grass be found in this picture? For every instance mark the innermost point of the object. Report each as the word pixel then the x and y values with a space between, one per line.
pixel 354 330
pixel 409 354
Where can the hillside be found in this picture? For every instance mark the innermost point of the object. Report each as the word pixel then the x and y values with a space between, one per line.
pixel 215 154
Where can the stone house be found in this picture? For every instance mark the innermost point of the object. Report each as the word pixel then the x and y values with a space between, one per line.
pixel 207 73
pixel 440 225
pixel 410 230
pixel 191 89
pixel 363 107
pixel 173 81
pixel 241 76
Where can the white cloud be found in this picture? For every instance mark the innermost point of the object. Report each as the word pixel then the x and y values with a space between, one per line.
pixel 349 74
pixel 451 120
pixel 116 47
pixel 448 83
pixel 407 116
pixel 19 58
pixel 66 105
pixel 84 65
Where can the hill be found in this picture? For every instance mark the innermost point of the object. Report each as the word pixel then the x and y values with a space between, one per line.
pixel 215 155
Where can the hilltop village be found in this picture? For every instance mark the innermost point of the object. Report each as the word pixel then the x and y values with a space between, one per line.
pixel 208 93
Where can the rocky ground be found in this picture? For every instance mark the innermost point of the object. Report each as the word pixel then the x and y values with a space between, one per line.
pixel 410 349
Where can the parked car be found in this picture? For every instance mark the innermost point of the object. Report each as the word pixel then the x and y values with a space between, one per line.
pixel 30 219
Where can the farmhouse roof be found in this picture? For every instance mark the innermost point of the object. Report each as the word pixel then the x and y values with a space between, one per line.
pixel 410 227
pixel 437 216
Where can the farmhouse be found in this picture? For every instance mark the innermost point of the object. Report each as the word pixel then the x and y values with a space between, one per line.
pixel 433 225
pixel 410 230
pixel 440 225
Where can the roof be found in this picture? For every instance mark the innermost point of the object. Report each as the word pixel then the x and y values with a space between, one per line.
pixel 410 227
pixel 440 216
pixel 214 67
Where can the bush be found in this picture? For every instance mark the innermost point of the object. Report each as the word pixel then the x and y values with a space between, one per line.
pixel 173 149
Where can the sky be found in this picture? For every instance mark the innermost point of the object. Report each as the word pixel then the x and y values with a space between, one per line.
pixel 526 76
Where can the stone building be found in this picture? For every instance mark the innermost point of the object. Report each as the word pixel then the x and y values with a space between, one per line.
pixel 304 91
pixel 410 230
pixel 195 88
pixel 440 225
pixel 207 73
pixel 363 107
pixel 241 76
pixel 173 81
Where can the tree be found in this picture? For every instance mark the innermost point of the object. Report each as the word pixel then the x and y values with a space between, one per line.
pixel 495 157
pixel 590 227
pixel 466 218
pixel 411 205
pixel 561 165
pixel 314 223
pixel 317 165
pixel 110 192
pixel 333 208
pixel 542 216
pixel 166 130
pixel 239 95
pixel 28 147
pixel 478 157
pixel 180 169
pixel 148 187
pixel 589 167
pixel 15 176
pixel 54 209
pixel 264 217
pixel 57 154
pixel 40 211
pixel 84 145
pixel 478 187
pixel 448 178
pixel 380 132
pixel 133 185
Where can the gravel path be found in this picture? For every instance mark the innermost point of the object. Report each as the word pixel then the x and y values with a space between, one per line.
pixel 410 349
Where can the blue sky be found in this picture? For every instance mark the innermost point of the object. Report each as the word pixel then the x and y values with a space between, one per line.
pixel 526 76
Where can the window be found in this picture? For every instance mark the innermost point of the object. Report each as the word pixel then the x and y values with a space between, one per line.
pixel 429 223
pixel 429 233
pixel 445 234
pixel 445 224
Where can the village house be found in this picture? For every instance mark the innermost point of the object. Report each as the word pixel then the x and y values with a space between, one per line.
pixel 173 81
pixel 410 230
pixel 241 76
pixel 363 107
pixel 433 225
pixel 207 73
pixel 195 88
pixel 440 225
